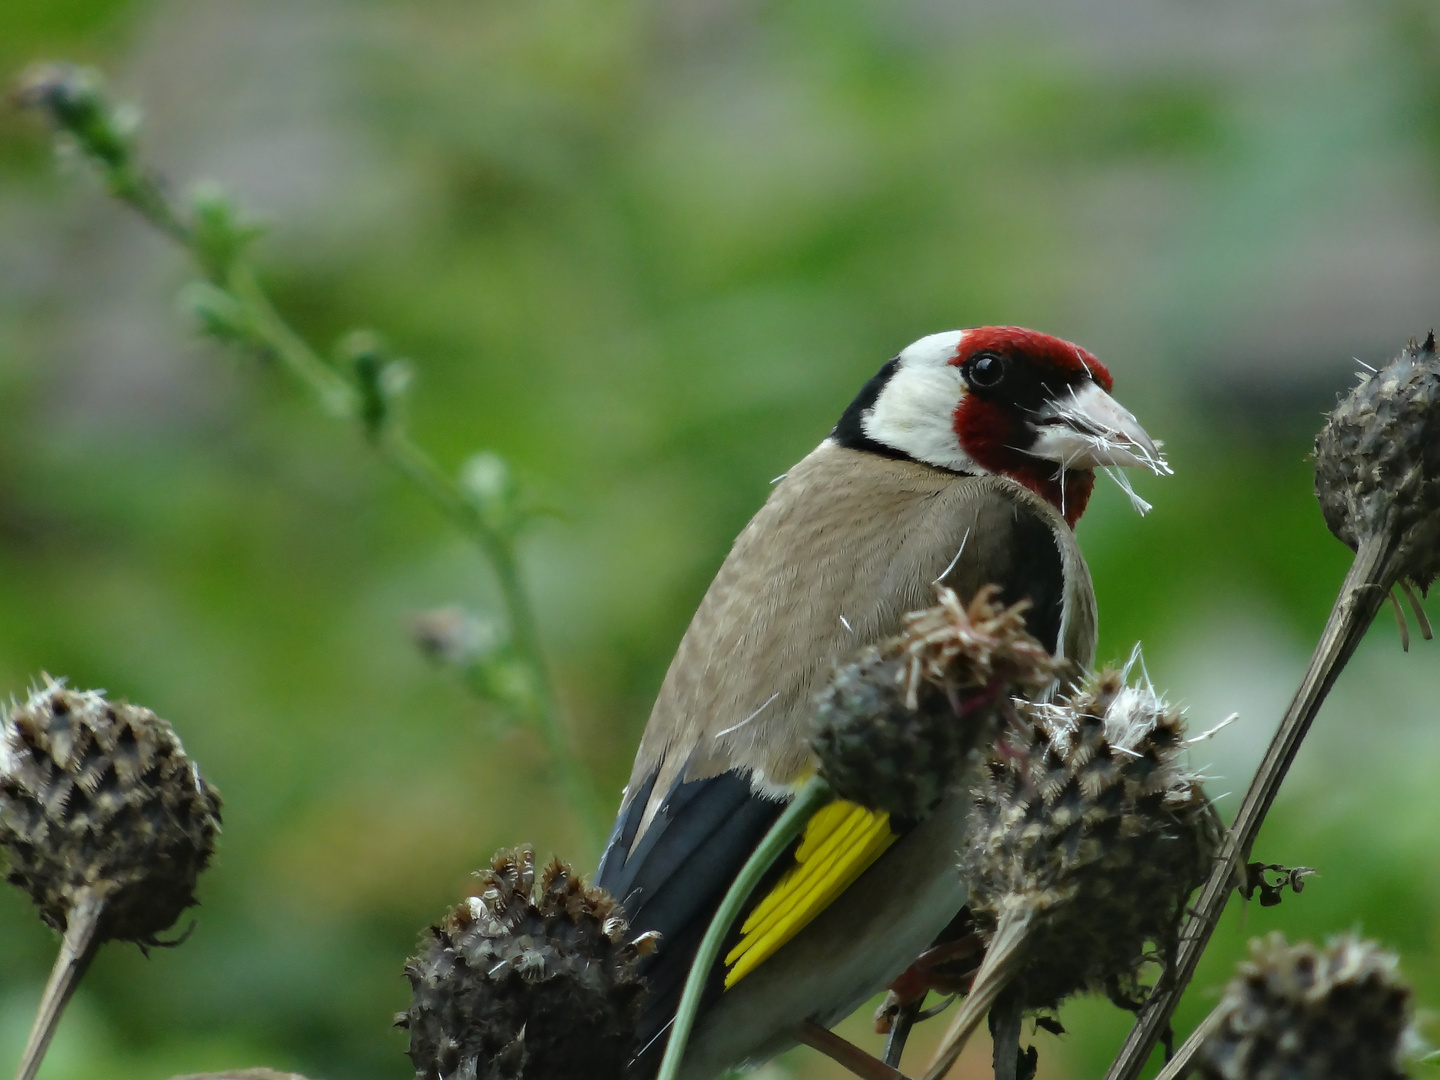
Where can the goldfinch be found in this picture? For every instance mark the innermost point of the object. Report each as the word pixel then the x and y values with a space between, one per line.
pixel 966 460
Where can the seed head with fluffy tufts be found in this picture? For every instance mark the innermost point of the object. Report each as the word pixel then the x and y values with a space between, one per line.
pixel 526 979
pixel 1337 1013
pixel 100 798
pixel 895 726
pixel 1091 822
pixel 1377 461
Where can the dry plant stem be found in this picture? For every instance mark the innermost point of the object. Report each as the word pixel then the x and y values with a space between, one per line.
pixel 1007 1014
pixel 846 1053
pixel 815 794
pixel 900 1032
pixel 1365 589
pixel 1421 618
pixel 267 332
pixel 1003 960
pixel 77 949
pixel 1400 622
pixel 1179 1065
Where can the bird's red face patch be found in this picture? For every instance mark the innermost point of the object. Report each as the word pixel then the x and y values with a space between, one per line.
pixel 1040 351
pixel 1011 374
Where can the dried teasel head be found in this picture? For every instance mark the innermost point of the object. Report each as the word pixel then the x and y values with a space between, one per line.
pixel 1377 462
pixel 895 726
pixel 1089 834
pixel 105 822
pixel 100 798
pixel 1337 1013
pixel 527 979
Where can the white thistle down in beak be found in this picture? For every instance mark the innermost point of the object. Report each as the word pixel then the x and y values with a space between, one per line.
pixel 1089 429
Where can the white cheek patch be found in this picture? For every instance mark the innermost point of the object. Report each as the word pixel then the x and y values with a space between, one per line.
pixel 914 413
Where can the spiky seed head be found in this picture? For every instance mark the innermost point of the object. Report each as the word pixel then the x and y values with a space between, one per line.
pixel 895 726
pixel 1377 461
pixel 100 796
pixel 526 979
pixel 1337 1013
pixel 1088 818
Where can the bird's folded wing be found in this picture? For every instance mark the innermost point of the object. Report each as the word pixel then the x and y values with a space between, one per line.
pixel 838 844
pixel 674 878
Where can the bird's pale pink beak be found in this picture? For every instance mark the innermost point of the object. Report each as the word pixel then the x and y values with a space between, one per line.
pixel 1088 429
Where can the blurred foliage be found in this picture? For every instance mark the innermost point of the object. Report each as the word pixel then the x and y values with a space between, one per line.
pixel 647 253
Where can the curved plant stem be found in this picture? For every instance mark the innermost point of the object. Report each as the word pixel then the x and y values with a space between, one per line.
pixel 815 794
pixel 76 103
pixel 1366 586
pixel 77 949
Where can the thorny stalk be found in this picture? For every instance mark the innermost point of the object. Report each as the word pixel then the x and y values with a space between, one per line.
pixel 1372 575
pixel 233 306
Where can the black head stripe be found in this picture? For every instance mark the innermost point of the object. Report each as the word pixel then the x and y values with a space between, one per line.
pixel 850 431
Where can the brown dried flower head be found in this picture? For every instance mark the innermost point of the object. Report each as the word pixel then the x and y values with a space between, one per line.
pixel 1090 824
pixel 1338 1013
pixel 527 979
pixel 1377 461
pixel 895 726
pixel 100 798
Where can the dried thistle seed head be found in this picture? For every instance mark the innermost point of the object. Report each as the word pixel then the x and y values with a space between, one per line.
pixel 526 979
pixel 1089 820
pixel 895 726
pixel 101 797
pixel 1377 461
pixel 1336 1013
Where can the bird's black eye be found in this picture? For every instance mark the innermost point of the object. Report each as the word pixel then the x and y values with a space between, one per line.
pixel 986 371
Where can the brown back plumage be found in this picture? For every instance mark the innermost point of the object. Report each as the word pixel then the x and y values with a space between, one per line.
pixel 846 544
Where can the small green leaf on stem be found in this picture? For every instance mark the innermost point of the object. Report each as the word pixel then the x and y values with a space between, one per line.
pixel 380 378
pixel 220 314
pixel 218 234
pixel 490 488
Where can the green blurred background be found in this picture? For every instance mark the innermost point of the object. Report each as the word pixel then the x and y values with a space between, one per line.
pixel 648 251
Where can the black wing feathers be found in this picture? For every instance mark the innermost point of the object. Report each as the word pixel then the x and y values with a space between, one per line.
pixel 677 874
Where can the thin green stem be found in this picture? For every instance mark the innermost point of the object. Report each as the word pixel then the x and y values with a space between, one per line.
pixel 414 463
pixel 263 329
pixel 815 794
pixel 274 335
pixel 137 188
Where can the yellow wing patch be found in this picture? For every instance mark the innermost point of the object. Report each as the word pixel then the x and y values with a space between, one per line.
pixel 840 841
